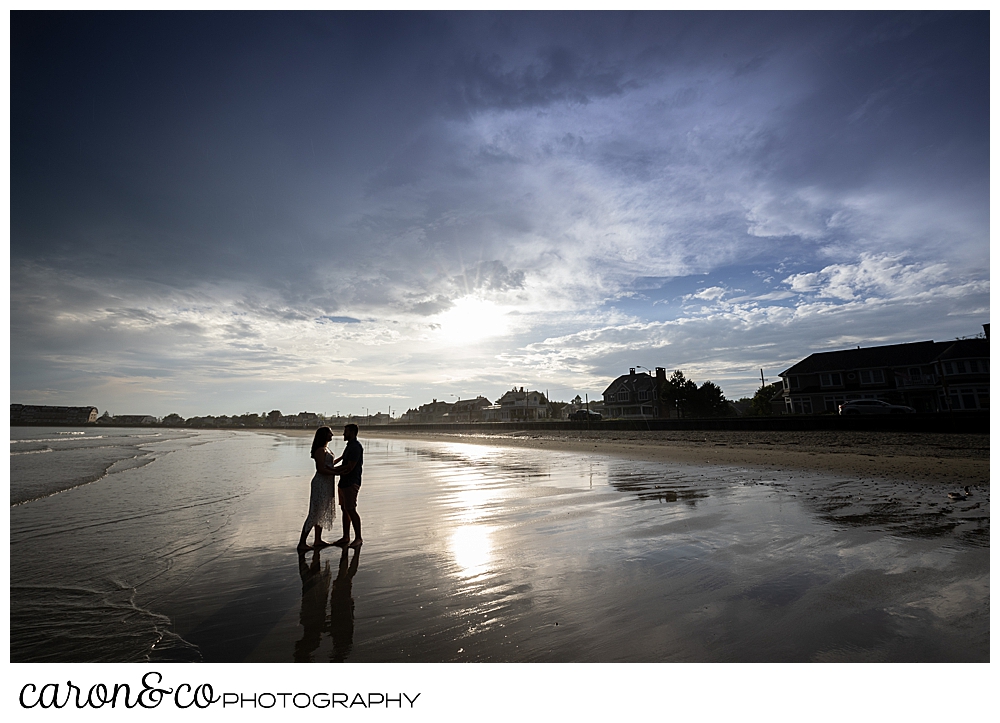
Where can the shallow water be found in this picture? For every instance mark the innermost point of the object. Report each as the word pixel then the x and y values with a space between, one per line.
pixel 476 553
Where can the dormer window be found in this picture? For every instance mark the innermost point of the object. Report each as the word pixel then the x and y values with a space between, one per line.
pixel 623 396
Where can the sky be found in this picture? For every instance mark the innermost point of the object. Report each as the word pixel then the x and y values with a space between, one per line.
pixel 222 213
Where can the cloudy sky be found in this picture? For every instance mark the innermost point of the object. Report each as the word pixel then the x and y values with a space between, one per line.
pixel 237 212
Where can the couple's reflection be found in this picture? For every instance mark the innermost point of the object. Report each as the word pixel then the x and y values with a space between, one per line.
pixel 316 592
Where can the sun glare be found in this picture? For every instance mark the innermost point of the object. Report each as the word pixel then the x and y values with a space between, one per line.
pixel 471 319
pixel 472 549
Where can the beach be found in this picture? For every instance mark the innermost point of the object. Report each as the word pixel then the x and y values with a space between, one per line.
pixel 517 548
pixel 956 459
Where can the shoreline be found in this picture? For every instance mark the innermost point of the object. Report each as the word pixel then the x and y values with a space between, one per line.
pixel 952 459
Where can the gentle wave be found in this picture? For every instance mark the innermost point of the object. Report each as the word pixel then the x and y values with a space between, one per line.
pixel 123 437
pixel 54 439
pixel 30 451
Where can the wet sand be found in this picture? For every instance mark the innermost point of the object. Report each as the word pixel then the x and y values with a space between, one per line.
pixel 515 551
pixel 511 551
pixel 951 459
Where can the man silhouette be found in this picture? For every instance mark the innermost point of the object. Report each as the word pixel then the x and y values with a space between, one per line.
pixel 349 471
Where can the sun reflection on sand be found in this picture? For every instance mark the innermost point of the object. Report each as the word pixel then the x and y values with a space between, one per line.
pixel 471 452
pixel 472 548
pixel 471 491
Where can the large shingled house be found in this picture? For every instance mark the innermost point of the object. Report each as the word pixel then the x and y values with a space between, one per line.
pixel 930 376
pixel 639 396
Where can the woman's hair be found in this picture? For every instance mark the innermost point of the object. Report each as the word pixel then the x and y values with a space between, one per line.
pixel 323 435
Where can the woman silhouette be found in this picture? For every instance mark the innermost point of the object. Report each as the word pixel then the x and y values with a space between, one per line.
pixel 320 491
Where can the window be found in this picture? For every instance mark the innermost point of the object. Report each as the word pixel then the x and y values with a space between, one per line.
pixel 795 382
pixel 832 403
pixel 831 380
pixel 872 376
pixel 803 405
pixel 623 396
pixel 645 396
pixel 969 398
pixel 971 366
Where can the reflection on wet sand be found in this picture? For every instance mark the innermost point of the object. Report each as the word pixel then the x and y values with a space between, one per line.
pixel 342 607
pixel 315 589
pixel 662 487
pixel 316 592
pixel 499 554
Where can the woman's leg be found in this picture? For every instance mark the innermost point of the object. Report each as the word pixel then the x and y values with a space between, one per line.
pixel 305 533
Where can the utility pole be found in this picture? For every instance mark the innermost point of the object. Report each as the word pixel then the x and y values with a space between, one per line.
pixel 762 384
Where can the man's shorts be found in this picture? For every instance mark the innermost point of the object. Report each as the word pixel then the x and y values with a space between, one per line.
pixel 349 496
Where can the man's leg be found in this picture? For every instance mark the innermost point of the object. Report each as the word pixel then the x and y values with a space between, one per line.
pixel 347 521
pixel 347 525
pixel 356 521
pixel 355 517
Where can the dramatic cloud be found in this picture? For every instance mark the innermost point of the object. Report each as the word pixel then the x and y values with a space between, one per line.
pixel 221 213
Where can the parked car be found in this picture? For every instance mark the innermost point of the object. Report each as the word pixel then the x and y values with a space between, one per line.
pixel 581 415
pixel 873 406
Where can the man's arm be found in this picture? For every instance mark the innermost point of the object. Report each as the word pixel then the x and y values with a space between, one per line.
pixel 345 468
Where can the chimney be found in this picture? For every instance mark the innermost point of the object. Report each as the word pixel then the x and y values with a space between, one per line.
pixel 631 371
pixel 661 375
pixel 986 329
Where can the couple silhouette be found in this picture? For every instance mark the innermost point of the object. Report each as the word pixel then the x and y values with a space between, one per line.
pixel 321 513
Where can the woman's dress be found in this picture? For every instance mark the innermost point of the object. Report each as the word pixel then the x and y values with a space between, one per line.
pixel 321 498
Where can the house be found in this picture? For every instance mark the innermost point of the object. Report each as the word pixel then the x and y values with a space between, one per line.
pixel 576 404
pixel 302 420
pixel 433 413
pixel 930 376
pixel 639 396
pixel 517 405
pixel 130 420
pixel 32 414
pixel 468 410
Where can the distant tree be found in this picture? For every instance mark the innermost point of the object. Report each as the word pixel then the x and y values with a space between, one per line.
pixel 712 402
pixel 682 392
pixel 760 403
pixel 249 420
pixel 172 420
pixel 273 416
pixel 707 400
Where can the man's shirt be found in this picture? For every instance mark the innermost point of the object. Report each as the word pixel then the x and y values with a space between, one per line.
pixel 353 452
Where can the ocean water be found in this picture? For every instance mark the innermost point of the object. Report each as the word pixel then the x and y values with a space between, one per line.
pixel 180 546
